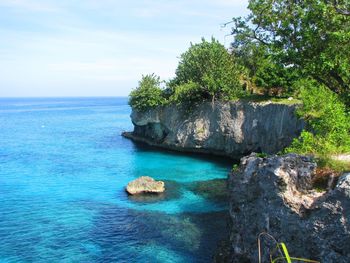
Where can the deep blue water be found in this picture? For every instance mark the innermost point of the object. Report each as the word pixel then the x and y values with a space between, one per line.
pixel 63 169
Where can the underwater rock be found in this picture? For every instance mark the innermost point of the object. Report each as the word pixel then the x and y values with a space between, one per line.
pixel 145 184
pixel 215 190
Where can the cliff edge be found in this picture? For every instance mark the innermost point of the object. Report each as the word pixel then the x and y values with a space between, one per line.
pixel 232 129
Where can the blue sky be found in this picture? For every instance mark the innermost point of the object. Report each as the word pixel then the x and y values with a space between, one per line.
pixel 100 47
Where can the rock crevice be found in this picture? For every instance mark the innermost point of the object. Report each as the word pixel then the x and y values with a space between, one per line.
pixel 276 195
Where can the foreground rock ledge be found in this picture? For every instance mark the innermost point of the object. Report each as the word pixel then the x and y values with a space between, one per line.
pixel 145 184
pixel 276 195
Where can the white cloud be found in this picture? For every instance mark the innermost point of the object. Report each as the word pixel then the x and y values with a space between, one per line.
pixel 105 45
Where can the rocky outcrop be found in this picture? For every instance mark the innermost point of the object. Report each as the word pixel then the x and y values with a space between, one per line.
pixel 145 184
pixel 231 129
pixel 276 195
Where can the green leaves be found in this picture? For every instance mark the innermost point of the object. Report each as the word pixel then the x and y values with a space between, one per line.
pixel 310 37
pixel 206 71
pixel 328 122
pixel 189 92
pixel 214 71
pixel 148 94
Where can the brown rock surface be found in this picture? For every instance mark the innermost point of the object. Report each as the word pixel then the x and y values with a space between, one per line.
pixel 145 184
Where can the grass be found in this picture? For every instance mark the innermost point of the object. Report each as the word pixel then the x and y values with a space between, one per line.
pixel 286 101
pixel 328 172
pixel 335 165
pixel 265 98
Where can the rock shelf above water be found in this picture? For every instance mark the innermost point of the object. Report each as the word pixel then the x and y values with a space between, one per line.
pixel 231 129
pixel 145 184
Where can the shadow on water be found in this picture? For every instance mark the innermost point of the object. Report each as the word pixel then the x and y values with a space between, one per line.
pixel 222 160
pixel 214 190
pixel 155 236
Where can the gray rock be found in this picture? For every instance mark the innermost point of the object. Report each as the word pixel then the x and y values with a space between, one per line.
pixel 231 129
pixel 275 195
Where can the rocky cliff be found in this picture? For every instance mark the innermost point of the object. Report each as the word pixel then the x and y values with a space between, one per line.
pixel 276 195
pixel 232 129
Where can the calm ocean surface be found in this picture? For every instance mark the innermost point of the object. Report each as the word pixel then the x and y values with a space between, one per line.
pixel 63 169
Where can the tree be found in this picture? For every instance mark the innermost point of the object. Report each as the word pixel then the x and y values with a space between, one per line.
pixel 210 69
pixel 265 73
pixel 342 7
pixel 309 36
pixel 148 94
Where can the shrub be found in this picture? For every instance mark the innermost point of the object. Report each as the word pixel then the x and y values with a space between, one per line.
pixel 212 68
pixel 328 123
pixel 189 92
pixel 148 94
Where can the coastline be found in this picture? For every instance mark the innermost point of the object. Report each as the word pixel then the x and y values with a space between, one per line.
pixel 169 128
pixel 149 142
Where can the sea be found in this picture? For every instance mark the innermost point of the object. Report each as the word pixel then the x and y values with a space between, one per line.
pixel 63 170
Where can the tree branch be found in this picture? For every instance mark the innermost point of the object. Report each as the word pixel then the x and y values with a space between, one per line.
pixel 341 11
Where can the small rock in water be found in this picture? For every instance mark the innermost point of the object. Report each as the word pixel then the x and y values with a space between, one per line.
pixel 145 184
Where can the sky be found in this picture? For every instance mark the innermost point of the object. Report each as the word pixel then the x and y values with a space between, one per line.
pixel 64 48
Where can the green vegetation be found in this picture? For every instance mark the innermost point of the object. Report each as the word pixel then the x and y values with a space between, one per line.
pixel 235 167
pixel 302 48
pixel 264 75
pixel 261 155
pixel 282 49
pixel 148 94
pixel 296 39
pixel 207 71
pixel 327 120
pixel 189 92
pixel 334 165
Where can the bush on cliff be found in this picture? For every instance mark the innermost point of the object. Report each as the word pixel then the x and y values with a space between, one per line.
pixel 206 71
pixel 148 94
pixel 328 123
pixel 189 92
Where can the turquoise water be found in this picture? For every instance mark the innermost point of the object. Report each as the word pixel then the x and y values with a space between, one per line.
pixel 63 169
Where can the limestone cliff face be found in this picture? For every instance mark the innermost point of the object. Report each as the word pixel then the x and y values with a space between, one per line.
pixel 276 195
pixel 232 129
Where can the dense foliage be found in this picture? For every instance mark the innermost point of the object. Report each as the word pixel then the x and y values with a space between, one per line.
pixel 327 119
pixel 189 92
pixel 309 37
pixel 258 64
pixel 148 94
pixel 207 71
pixel 299 48
pixel 303 48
